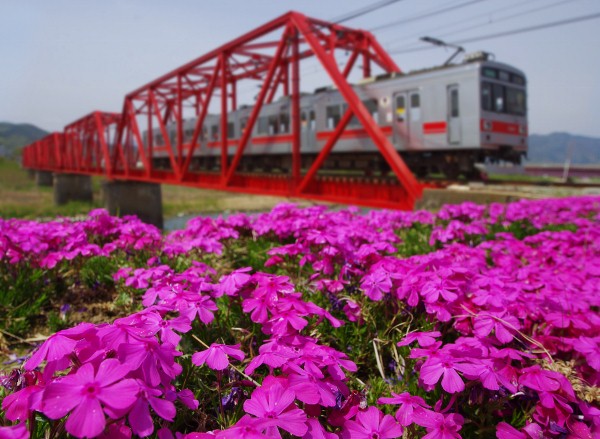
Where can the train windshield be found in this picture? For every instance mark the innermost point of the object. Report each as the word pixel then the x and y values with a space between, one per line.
pixel 505 94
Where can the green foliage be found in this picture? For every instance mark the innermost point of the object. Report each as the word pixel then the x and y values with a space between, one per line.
pixel 415 240
pixel 24 292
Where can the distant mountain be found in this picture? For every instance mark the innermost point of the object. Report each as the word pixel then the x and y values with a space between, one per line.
pixel 13 137
pixel 558 147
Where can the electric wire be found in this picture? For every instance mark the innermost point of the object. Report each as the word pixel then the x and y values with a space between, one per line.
pixel 508 33
pixel 425 15
pixel 487 23
pixel 363 11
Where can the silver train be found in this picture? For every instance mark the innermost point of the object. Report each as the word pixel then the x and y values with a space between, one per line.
pixel 441 120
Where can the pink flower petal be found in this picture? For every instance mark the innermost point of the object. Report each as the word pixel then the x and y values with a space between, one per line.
pixel 87 420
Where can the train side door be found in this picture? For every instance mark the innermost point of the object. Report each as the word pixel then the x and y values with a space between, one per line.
pixel 308 129
pixel 401 122
pixel 454 134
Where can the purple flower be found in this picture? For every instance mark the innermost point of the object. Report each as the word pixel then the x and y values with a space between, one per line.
pixel 425 339
pixel 410 406
pixel 372 423
pixel 440 426
pixel 18 431
pixel 376 284
pixel 139 417
pixel 216 356
pixel 507 431
pixel 82 394
pixel 275 403
pixel 434 368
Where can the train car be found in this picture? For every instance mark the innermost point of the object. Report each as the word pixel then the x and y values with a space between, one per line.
pixel 441 120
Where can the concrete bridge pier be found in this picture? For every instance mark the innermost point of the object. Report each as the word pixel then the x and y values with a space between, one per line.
pixel 43 178
pixel 134 198
pixel 72 187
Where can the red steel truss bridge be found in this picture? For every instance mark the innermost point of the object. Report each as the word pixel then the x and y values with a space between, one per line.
pixel 116 146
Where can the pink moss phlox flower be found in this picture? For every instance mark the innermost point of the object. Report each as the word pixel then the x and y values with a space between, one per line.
pixel 507 431
pixel 372 423
pixel 310 385
pixel 590 348
pixel 425 339
pixel 503 326
pixel 192 305
pixel 440 426
pixel 376 284
pixel 410 406
pixel 18 405
pixel 18 431
pixel 153 361
pixel 247 427
pixel 216 356
pixel 83 394
pixel 59 346
pixel 443 366
pixel 274 402
pixel 317 431
pixel 117 430
pixel 353 311
pixel 540 379
pixel 265 296
pixel 153 323
pixel 232 283
pixel 274 353
pixel 438 284
pixel 140 420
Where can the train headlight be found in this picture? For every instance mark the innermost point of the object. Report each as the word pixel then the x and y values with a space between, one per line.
pixel 487 125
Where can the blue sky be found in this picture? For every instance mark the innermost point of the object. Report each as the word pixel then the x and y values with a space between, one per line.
pixel 62 59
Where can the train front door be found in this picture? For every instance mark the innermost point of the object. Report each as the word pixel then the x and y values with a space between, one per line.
pixel 407 118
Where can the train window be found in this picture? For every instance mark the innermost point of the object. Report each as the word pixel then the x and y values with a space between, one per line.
pixel 486 96
pixel 230 130
pixel 284 123
pixel 454 103
pixel 415 100
pixel 490 73
pixel 498 93
pixel 158 139
pixel 203 136
pixel 273 124
pixel 334 115
pixel 400 103
pixel 303 121
pixel 214 132
pixel 263 125
pixel 517 79
pixel 504 76
pixel 312 120
pixel 372 108
pixel 187 135
pixel 515 101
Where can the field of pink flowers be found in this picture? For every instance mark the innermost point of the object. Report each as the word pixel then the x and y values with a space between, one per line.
pixel 475 321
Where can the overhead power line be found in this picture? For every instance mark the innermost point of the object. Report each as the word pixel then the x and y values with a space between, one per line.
pixel 426 15
pixel 511 32
pixel 363 11
pixel 490 14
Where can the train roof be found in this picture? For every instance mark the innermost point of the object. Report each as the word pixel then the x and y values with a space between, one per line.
pixel 477 58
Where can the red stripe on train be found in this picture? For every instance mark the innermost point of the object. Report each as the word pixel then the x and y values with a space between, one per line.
pixel 435 127
pixel 352 134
